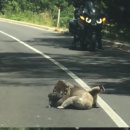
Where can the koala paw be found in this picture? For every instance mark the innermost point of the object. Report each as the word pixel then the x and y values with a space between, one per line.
pixel 60 107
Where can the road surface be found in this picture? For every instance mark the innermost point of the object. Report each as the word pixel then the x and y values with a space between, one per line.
pixel 32 60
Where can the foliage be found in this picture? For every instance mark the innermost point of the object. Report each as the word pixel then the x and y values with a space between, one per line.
pixel 37 11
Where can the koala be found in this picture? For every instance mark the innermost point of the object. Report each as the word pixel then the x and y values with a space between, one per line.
pixel 67 94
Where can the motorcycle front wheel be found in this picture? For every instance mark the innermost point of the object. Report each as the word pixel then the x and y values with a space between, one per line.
pixel 93 42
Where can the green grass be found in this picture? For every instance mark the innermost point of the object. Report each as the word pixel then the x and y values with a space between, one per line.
pixel 41 18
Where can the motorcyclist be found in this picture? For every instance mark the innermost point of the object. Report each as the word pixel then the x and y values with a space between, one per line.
pixel 79 9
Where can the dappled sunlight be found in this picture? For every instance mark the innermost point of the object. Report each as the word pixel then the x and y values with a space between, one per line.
pixel 108 68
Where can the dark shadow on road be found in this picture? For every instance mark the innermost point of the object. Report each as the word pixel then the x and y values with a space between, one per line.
pixel 56 40
pixel 28 69
pixel 110 67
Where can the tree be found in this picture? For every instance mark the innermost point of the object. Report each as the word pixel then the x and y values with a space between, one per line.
pixel 118 11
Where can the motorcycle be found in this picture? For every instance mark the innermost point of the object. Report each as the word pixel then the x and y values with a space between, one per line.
pixel 86 29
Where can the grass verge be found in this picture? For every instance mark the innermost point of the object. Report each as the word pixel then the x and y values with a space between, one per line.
pixel 28 16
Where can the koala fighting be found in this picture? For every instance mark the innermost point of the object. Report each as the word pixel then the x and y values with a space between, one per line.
pixel 66 94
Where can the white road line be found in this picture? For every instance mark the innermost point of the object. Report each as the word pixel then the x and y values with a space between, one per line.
pixel 110 112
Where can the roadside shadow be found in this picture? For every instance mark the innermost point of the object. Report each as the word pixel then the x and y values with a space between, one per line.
pixel 56 41
pixel 110 68
pixel 28 69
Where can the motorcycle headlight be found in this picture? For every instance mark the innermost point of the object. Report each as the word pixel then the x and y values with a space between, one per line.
pixel 104 19
pixel 82 18
pixel 99 21
pixel 88 20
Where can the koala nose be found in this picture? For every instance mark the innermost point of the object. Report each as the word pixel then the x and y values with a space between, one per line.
pixel 102 88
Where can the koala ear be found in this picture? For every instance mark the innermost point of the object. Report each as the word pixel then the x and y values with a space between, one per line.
pixel 102 88
pixel 59 82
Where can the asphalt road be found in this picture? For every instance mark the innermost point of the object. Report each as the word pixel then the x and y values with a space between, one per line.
pixel 26 78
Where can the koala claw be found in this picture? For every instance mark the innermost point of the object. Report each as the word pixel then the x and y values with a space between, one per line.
pixel 60 107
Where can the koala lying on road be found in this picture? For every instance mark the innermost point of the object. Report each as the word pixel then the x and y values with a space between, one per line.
pixel 65 94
